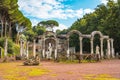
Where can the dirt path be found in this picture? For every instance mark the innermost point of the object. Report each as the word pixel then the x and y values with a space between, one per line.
pixel 85 71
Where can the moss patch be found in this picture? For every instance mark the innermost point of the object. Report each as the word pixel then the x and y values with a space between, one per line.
pixel 99 77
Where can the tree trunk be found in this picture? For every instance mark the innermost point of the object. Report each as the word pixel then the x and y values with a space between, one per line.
pixel 2 27
pixel 5 48
pixel 10 30
pixel 5 28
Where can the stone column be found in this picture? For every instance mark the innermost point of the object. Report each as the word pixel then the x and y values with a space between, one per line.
pixel 27 53
pixel 112 49
pixel 56 49
pixel 108 48
pixel 43 50
pixel 80 38
pixel 34 48
pixel 91 41
pixel 68 52
pixel 5 48
pixel 55 53
pixel 101 45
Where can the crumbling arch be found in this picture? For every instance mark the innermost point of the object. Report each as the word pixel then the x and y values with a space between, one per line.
pixel 74 31
pixel 96 32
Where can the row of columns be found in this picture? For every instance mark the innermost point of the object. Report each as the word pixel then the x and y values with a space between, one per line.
pixel 24 51
pixel 110 49
pixel 109 41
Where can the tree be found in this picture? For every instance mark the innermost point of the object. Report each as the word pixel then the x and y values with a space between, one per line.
pixel 49 24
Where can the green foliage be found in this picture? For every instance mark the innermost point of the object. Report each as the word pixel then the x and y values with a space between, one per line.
pixel 30 34
pixel 105 18
pixel 10 13
pixel 65 31
pixel 49 23
pixel 39 30
pixel 2 52
pixel 10 43
pixel 74 42
pixel 16 49
pixel 12 47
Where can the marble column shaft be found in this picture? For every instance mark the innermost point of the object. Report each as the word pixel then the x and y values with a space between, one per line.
pixel 108 48
pixel 68 52
pixel 112 48
pixel 91 41
pixel 81 45
pixel 43 48
pixel 34 48
pixel 101 45
pixel 56 49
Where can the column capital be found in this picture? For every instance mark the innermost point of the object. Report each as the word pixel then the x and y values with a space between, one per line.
pixel 91 39
pixel 80 38
pixel 67 39
pixel 108 39
pixel 112 39
pixel 101 38
pixel 34 40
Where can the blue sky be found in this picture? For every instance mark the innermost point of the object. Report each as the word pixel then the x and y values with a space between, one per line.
pixel 65 12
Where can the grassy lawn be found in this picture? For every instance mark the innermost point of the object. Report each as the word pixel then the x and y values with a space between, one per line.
pixel 16 71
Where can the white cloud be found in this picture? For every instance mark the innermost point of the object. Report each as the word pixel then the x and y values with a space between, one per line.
pixel 48 9
pixel 88 11
pixel 61 27
pixel 34 22
pixel 105 1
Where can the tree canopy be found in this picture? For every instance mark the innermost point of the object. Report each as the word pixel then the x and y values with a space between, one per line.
pixel 49 24
pixel 9 16
pixel 105 18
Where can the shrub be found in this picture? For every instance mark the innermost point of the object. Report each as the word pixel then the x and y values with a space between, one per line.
pixel 12 47
pixel 16 49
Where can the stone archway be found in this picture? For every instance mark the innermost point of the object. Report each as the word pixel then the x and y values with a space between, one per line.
pixel 80 38
pixel 101 42
pixel 96 32
pixel 73 31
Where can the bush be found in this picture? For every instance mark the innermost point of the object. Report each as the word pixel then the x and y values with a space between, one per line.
pixel 12 47
pixel 2 52
pixel 16 49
